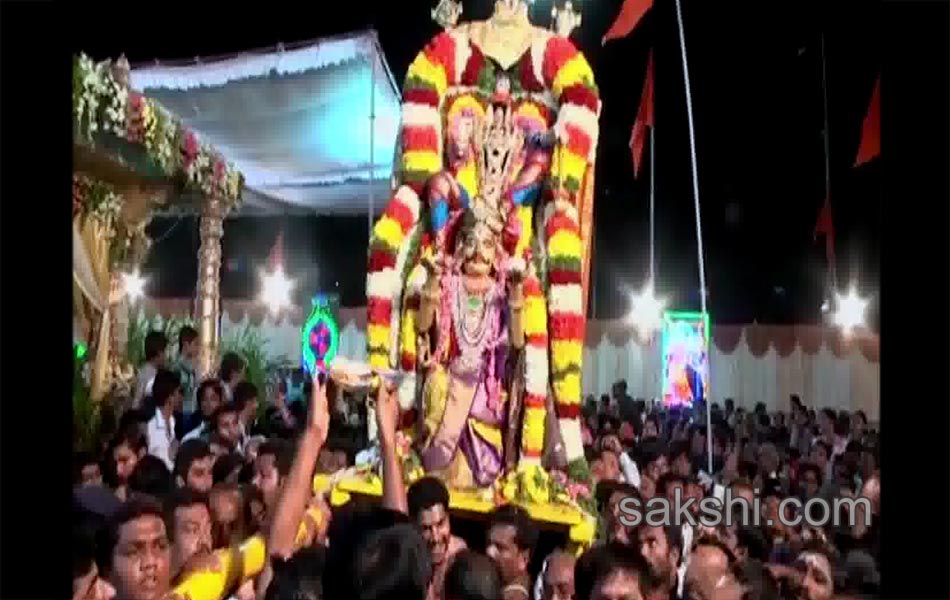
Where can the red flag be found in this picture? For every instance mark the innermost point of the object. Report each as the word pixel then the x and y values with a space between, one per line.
pixel 871 130
pixel 630 14
pixel 275 259
pixel 825 226
pixel 644 118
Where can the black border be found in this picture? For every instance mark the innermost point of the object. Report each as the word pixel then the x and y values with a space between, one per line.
pixel 36 327
pixel 35 330
pixel 915 411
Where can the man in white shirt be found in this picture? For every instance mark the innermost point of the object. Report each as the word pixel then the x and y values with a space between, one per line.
pixel 167 397
pixel 155 345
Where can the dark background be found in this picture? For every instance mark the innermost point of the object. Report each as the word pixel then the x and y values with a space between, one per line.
pixel 757 89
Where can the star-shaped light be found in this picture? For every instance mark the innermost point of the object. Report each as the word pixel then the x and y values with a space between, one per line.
pixel 134 285
pixel 849 311
pixel 646 312
pixel 276 289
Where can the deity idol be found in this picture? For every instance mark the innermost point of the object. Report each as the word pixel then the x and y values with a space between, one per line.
pixel 478 268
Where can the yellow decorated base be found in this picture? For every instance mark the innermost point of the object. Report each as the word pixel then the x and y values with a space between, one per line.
pixel 581 526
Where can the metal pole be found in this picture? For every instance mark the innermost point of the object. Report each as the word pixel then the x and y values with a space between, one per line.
pixel 699 227
pixel 372 143
pixel 652 208
pixel 827 140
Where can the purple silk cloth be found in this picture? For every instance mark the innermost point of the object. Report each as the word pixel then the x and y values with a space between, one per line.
pixel 469 397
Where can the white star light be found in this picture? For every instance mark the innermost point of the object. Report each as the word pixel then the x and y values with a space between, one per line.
pixel 646 313
pixel 134 285
pixel 849 312
pixel 276 290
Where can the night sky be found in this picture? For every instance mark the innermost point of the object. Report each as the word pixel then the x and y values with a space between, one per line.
pixel 755 69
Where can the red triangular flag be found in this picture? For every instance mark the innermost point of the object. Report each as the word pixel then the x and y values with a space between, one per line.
pixel 825 226
pixel 630 14
pixel 644 118
pixel 871 130
pixel 275 259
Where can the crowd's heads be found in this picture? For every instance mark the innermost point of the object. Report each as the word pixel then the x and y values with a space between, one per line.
pixel 809 480
pixel 232 368
pixel 228 522
pixel 227 468
pixel 678 458
pixel 86 469
pixel 821 454
pixel 188 343
pixel 155 345
pixel 166 390
pixel 193 466
pixel 511 540
pixel 298 578
pixel 712 571
pixel 815 565
pixel 87 581
pixel 472 576
pixel 428 501
pixel 610 495
pixel 188 519
pixel 274 459
pixel 662 548
pixel 124 452
pixel 245 396
pixel 151 478
pixel 393 563
pixel 609 572
pixel 558 580
pixel 227 424
pixel 209 398
pixel 134 551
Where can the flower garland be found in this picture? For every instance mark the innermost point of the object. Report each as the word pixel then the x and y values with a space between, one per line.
pixel 102 105
pixel 98 200
pixel 565 70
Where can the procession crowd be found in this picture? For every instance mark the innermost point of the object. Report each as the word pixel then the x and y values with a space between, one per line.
pixel 192 467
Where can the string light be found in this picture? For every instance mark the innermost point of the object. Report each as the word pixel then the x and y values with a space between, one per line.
pixel 646 313
pixel 849 311
pixel 276 290
pixel 134 285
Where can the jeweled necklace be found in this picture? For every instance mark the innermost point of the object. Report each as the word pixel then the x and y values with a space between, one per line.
pixel 472 337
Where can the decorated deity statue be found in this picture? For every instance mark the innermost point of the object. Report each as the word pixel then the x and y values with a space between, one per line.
pixel 478 267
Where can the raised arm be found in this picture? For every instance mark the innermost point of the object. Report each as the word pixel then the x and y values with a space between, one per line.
pixel 298 489
pixel 387 418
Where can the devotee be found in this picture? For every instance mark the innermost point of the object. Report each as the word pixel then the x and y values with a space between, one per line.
pixel 661 547
pixel 209 399
pixel 246 397
pixel 189 524
pixel 228 521
pixel 428 501
pixel 558 576
pixel 193 466
pixel 87 584
pixel 511 540
pixel 166 396
pixel 227 426
pixel 155 345
pixel 271 469
pixel 135 552
pixel 188 346
pixel 231 373
pixel 122 456
pixel 609 572
pixel 473 576
pixel 711 573
pixel 86 470
pixel 150 478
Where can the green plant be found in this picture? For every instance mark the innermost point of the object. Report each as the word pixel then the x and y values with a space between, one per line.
pixel 251 345
pixel 86 413
pixel 140 326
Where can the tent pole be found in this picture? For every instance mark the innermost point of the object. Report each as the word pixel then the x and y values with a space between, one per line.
pixel 372 143
pixel 699 227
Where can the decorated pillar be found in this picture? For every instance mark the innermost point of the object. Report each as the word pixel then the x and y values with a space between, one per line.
pixel 209 292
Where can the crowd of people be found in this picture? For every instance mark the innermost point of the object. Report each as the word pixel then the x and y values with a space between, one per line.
pixel 193 467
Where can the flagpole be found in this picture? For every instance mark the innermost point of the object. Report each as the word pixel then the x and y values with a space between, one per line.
pixel 699 226
pixel 827 139
pixel 372 143
pixel 652 223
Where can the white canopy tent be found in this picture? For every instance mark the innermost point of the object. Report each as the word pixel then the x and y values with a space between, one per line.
pixel 312 127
